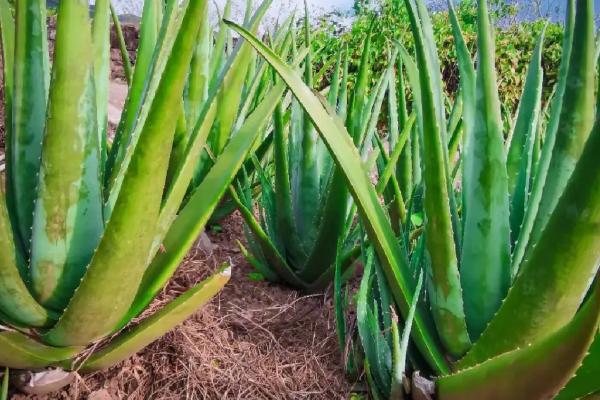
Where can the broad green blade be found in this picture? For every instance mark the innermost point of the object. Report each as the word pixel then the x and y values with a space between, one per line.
pixel 486 240
pixel 101 38
pixel 519 162
pixel 4 386
pixel 16 302
pixel 469 100
pixel 391 167
pixel 218 51
pixel 585 381
pixel 68 222
pixel 549 140
pixel 30 93
pixel 193 217
pixel 347 158
pixel 150 32
pixel 199 70
pixel 536 371
pixel 445 293
pixel 7 45
pixel 359 95
pixel 545 294
pixel 400 349
pixel 131 341
pixel 22 352
pixel 576 117
pixel 115 272
pixel 128 69
pixel 230 95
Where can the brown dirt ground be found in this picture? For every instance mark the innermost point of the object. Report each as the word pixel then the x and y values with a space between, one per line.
pixel 255 340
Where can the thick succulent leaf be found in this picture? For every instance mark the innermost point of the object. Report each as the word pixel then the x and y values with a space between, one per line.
pixel 4 385
pixel 16 302
pixel 197 92
pixel 585 381
pixel 347 158
pixel 536 371
pixel 7 45
pixel 576 118
pixel 552 281
pixel 159 323
pixel 445 293
pixel 22 352
pixel 539 182
pixel 193 217
pixel 101 38
pixel 128 69
pixel 486 240
pixel 68 221
pixel 469 100
pixel 520 154
pixel 30 93
pixel 218 51
pixel 397 151
pixel 115 272
pixel 150 30
pixel 230 95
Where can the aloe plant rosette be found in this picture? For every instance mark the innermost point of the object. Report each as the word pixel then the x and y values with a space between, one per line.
pixel 82 219
pixel 512 313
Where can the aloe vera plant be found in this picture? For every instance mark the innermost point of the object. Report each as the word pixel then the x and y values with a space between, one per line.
pixel 304 204
pixel 82 219
pixel 511 317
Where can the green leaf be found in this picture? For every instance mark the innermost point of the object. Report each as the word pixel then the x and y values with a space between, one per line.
pixel 115 272
pixel 159 323
pixel 347 158
pixel 576 117
pixel 128 69
pixel 22 352
pixel 193 217
pixel 30 93
pixel 545 295
pixel 486 240
pixel 4 387
pixel 445 294
pixel 536 371
pixel 101 38
pixel 585 381
pixel 541 175
pixel 520 154
pixel 68 222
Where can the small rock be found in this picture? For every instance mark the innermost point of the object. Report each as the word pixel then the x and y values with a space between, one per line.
pixel 422 388
pixel 43 382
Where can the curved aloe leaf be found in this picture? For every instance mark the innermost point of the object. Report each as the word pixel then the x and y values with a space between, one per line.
pixel 4 385
pixel 536 371
pixel 192 218
pixel 15 300
pixel 158 324
pixel 549 139
pixel 128 69
pixel 101 37
pixel 346 156
pixel 115 272
pixel 7 44
pixel 585 381
pixel 150 28
pixel 520 154
pixel 446 294
pixel 576 116
pixel 552 281
pixel 22 352
pixel 486 240
pixel 68 219
pixel 30 92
